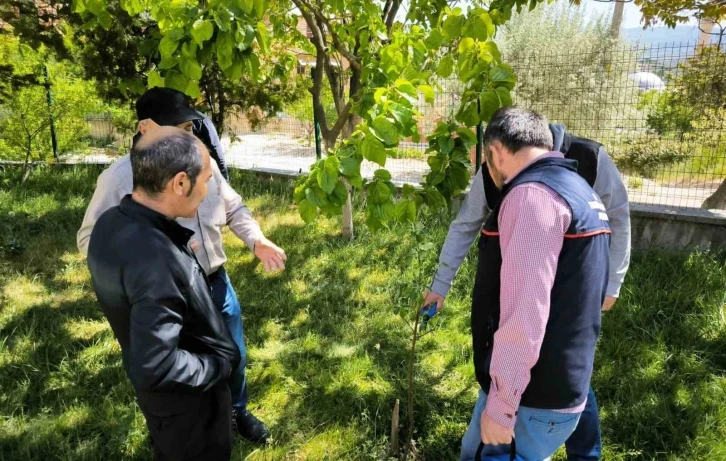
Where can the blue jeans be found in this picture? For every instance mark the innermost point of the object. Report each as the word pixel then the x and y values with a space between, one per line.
pixel 539 433
pixel 585 444
pixel 225 299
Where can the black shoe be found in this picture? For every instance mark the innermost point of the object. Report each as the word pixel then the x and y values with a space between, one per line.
pixel 249 427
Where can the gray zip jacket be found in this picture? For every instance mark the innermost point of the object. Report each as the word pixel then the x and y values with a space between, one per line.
pixel 474 212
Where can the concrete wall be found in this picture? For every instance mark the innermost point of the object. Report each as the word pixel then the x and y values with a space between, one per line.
pixel 654 227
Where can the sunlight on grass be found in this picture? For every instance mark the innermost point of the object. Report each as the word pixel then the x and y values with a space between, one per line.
pixel 326 352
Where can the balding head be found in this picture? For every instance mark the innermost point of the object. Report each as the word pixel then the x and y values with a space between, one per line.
pixel 162 153
pixel 171 167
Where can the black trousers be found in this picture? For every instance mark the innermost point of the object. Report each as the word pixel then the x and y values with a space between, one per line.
pixel 189 427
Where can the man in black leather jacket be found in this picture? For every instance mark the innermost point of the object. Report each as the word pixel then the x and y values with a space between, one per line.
pixel 176 349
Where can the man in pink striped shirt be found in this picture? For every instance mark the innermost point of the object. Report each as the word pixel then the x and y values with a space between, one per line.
pixel 540 285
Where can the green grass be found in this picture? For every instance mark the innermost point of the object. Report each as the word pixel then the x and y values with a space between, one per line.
pixel 326 354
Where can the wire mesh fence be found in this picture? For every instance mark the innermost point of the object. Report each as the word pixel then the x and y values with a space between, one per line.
pixel 660 111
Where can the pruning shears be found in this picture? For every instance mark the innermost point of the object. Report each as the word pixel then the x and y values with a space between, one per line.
pixel 427 313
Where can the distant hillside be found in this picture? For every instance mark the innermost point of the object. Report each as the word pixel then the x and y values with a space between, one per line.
pixel 664 35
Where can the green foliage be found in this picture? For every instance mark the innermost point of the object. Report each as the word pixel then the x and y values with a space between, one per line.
pixel 25 119
pixel 698 85
pixel 648 154
pixel 569 68
pixel 327 350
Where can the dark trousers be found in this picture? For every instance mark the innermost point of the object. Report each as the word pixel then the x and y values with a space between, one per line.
pixel 584 444
pixel 189 427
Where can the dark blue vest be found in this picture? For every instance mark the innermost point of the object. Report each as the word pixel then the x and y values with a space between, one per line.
pixel 561 377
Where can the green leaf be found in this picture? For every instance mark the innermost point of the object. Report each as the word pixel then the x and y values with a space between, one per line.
pixel 467 135
pixel 105 19
pixel 96 6
pixel 223 19
pixel 460 155
pixel 434 40
pixel 446 145
pixel 189 50
pixel 316 197
pixel 480 27
pixel 505 98
pixel 253 65
pixel 406 87
pixel 234 72
pixel 246 5
pixel 263 38
pixel 244 36
pixel 356 181
pixel 428 93
pixel 192 90
pixel 340 193
pixel 79 6
pixel 407 190
pixel 488 104
pixel 260 8
pixel 190 68
pixel 350 166
pixel 460 176
pixel 225 51
pixel 489 49
pixel 373 150
pixel 452 27
pixel 406 211
pixel 328 174
pixel 155 80
pixel 384 175
pixel 403 115
pixel 380 95
pixel 436 163
pixel 167 46
pixel 446 67
pixel 466 44
pixel 385 131
pixel 168 63
pixel 468 113
pixel 202 30
pixel 299 193
pixel 308 211
pixel 132 7
pixel 502 74
pixel 175 80
pixel 378 192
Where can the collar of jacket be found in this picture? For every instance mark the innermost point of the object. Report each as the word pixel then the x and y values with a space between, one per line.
pixel 175 231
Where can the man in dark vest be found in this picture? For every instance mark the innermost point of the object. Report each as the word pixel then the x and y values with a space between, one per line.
pixel 598 169
pixel 540 286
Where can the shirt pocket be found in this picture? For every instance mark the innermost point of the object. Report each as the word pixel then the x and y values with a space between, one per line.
pixel 215 203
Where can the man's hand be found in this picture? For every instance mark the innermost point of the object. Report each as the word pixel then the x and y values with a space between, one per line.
pixel 609 302
pixel 271 255
pixel 430 297
pixel 147 125
pixel 493 433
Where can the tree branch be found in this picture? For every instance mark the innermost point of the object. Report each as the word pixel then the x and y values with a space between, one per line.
pixel 395 5
pixel 337 44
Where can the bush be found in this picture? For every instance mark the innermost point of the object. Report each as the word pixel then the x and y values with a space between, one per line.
pixel 646 155
pixel 698 85
pixel 569 68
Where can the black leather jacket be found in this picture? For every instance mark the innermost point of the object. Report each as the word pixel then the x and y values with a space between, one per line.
pixel 157 299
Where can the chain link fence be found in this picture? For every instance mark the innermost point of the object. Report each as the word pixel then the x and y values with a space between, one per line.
pixel 660 111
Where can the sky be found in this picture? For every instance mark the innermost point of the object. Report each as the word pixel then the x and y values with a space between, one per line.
pixel 631 15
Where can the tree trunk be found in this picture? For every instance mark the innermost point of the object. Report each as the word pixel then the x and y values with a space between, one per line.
pixel 347 224
pixel 717 201
pixel 395 446
pixel 26 169
pixel 617 19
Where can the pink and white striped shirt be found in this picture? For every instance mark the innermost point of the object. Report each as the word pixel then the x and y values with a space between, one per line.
pixel 532 221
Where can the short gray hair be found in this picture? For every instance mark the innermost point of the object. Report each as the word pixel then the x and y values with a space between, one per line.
pixel 156 162
pixel 517 128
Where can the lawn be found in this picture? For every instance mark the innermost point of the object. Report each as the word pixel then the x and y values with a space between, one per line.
pixel 327 355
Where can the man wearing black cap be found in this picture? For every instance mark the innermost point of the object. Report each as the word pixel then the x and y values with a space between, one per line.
pixel 222 207
pixel 168 107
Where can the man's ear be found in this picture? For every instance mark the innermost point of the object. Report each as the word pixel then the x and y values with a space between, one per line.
pixel 497 149
pixel 179 184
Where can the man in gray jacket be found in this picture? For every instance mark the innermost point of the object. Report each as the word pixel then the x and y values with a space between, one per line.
pixel 596 166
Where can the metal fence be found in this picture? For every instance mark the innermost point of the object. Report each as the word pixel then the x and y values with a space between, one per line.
pixel 660 111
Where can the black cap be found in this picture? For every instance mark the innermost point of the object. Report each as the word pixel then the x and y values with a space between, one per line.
pixel 166 107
